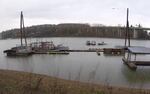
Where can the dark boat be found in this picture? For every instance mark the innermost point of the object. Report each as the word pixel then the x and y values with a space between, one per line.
pixel 18 51
pixel 88 43
pixel 102 43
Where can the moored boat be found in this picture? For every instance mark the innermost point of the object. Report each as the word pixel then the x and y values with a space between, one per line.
pixel 101 43
pixel 42 46
pixel 93 42
pixel 23 49
pixel 19 51
pixel 90 42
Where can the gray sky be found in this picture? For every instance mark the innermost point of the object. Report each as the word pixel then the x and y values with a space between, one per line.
pixel 107 12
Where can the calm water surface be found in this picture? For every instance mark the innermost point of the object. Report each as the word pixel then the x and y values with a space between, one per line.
pixel 81 66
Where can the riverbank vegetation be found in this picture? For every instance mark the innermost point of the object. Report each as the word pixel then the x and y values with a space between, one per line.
pixel 77 30
pixel 13 82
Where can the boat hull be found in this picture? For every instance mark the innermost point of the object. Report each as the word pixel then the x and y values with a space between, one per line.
pixel 15 53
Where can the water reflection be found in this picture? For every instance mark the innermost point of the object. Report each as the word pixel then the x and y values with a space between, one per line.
pixel 138 78
pixel 20 63
pixel 141 74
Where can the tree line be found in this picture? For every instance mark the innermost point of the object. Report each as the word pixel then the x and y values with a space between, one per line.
pixel 75 30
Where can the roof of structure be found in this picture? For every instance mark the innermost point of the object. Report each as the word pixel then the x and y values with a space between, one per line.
pixel 138 50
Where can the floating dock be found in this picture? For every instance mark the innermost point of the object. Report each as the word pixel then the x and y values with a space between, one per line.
pixel 60 52
pixel 106 51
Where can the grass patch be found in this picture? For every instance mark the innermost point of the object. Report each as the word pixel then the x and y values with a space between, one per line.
pixel 13 82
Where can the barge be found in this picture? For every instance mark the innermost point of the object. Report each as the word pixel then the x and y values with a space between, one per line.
pixel 19 51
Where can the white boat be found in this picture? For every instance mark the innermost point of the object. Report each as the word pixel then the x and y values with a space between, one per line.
pixel 93 42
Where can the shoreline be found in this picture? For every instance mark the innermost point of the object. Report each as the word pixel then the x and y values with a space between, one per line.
pixel 76 37
pixel 16 82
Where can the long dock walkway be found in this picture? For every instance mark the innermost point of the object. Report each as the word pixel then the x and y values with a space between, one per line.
pixel 106 51
pixel 89 50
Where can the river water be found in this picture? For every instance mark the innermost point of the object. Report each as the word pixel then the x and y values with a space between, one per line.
pixel 80 66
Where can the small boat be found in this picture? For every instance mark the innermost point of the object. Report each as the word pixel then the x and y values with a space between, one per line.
pixel 88 43
pixel 93 42
pixel 98 53
pixel 102 43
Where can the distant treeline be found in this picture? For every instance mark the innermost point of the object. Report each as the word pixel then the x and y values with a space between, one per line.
pixel 75 30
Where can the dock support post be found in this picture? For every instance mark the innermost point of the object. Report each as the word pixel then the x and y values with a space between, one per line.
pixel 135 58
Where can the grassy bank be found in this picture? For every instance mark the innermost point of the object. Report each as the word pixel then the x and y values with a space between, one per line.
pixel 12 82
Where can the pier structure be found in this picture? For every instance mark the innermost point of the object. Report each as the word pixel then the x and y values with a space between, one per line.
pixel 105 51
pixel 134 51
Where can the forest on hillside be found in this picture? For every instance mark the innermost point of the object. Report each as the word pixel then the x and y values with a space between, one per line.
pixel 75 30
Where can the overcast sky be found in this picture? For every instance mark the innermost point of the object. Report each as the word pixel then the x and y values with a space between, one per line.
pixel 107 12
